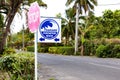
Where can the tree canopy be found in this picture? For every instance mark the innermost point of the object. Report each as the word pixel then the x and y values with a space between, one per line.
pixel 10 8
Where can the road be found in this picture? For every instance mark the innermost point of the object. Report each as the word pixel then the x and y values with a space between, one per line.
pixel 81 68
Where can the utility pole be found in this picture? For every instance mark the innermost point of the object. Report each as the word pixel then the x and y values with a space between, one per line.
pixel 76 28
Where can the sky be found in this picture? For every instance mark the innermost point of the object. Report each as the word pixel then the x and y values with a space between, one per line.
pixel 103 5
pixel 58 6
pixel 53 7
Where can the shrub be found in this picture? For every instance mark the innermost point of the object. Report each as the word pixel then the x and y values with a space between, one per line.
pixel 62 50
pixel 100 51
pixel 8 51
pixel 68 51
pixel 30 48
pixel 53 49
pixel 89 48
pixel 108 50
pixel 116 49
pixel 19 66
pixel 43 49
pixel 118 55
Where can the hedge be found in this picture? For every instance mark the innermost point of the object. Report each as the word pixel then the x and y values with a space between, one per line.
pixel 8 51
pixel 43 49
pixel 108 51
pixel 30 48
pixel 62 50
pixel 101 48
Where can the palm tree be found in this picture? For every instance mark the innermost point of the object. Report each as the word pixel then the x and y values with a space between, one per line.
pixel 68 25
pixel 83 5
pixel 86 5
pixel 85 27
pixel 10 8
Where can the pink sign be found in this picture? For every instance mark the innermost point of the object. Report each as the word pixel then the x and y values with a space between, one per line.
pixel 34 17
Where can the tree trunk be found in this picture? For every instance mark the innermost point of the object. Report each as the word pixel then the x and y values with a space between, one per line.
pixel 82 50
pixel 82 43
pixel 13 9
pixel 8 22
pixel 3 41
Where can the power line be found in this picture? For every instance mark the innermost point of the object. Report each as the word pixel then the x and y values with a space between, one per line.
pixel 108 4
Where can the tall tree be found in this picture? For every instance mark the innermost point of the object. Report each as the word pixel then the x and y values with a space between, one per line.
pixel 108 25
pixel 85 27
pixel 10 8
pixel 68 29
pixel 86 5
pixel 83 5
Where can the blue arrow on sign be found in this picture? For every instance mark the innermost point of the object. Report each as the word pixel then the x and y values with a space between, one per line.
pixel 42 39
pixel 56 39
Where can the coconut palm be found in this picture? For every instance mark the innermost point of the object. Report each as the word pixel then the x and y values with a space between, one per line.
pixel 68 23
pixel 86 5
pixel 85 27
pixel 83 6
pixel 10 8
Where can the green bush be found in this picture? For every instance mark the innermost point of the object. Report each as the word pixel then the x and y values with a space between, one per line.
pixel 8 51
pixel 118 55
pixel 89 48
pixel 19 66
pixel 43 49
pixel 100 51
pixel 53 49
pixel 30 48
pixel 116 49
pixel 62 50
pixel 69 51
pixel 108 50
pixel 40 49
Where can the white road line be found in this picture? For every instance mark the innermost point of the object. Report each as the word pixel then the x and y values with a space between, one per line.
pixel 107 66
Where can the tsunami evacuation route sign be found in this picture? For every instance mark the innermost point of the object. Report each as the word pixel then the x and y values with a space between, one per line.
pixel 49 30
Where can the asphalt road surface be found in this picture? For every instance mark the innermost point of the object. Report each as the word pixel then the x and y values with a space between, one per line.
pixel 80 68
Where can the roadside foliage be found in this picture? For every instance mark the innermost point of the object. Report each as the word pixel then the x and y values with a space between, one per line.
pixel 18 66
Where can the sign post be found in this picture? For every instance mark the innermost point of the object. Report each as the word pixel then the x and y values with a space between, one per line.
pixel 33 23
pixel 49 30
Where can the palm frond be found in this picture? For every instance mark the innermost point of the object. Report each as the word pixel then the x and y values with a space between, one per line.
pixel 40 2
pixel 69 2
pixel 94 2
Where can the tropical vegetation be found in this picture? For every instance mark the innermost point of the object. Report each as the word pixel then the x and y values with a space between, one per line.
pixel 14 64
pixel 97 36
pixel 10 8
pixel 92 31
pixel 17 66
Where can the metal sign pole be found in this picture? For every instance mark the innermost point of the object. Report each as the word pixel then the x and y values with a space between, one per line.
pixel 33 23
pixel 35 46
